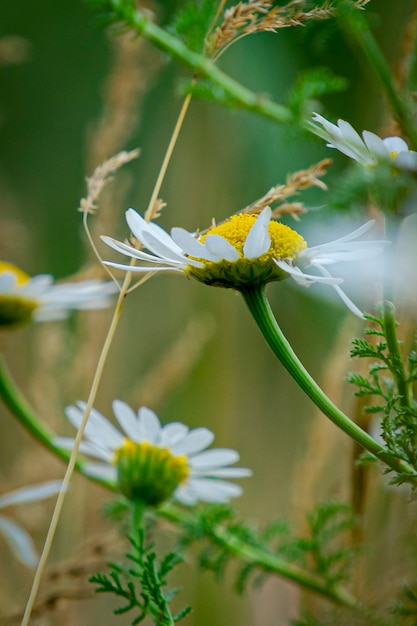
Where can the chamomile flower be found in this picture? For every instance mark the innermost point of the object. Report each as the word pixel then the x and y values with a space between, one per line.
pixel 368 149
pixel 23 299
pixel 150 462
pixel 18 539
pixel 244 251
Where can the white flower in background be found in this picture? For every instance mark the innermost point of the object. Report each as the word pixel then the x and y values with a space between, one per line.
pixel 18 539
pixel 245 250
pixel 23 298
pixel 150 462
pixel 368 149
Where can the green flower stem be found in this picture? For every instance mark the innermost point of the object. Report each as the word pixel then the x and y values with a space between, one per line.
pixel 355 23
pixel 28 418
pixel 260 309
pixel 397 365
pixel 142 24
pixel 266 561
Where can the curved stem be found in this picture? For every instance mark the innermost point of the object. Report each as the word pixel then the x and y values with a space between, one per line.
pixel 267 561
pixel 397 365
pixel 29 419
pixel 260 309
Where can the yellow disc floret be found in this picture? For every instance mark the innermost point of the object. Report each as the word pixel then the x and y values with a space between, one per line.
pixel 14 308
pixel 286 243
pixel 149 473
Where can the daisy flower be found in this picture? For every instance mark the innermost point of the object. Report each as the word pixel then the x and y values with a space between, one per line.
pixel 244 251
pixel 368 149
pixel 18 539
pixel 150 462
pixel 23 298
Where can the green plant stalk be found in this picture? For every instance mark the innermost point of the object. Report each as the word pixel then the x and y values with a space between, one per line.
pixel 19 407
pixel 28 418
pixel 397 365
pixel 260 309
pixel 266 561
pixel 354 22
pixel 143 25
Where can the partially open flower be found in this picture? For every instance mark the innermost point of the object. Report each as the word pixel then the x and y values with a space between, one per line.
pixel 246 250
pixel 17 537
pixel 370 150
pixel 151 463
pixel 23 299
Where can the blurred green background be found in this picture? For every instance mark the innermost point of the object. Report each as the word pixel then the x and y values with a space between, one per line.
pixel 218 372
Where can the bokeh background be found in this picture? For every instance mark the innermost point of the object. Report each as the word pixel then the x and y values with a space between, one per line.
pixel 73 94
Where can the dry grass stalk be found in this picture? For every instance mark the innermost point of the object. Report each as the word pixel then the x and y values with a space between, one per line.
pixel 256 16
pixel 303 179
pixel 101 175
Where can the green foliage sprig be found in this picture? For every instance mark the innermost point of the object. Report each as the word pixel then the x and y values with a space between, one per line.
pixel 142 586
pixel 390 382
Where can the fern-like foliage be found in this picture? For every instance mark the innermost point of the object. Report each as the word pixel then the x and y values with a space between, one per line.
pixel 141 586
pixel 322 552
pixel 390 383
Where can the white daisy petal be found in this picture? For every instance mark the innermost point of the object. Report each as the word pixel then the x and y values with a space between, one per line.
pixel 101 471
pixel 127 419
pixel 376 146
pixel 172 434
pixel 395 144
pixel 221 249
pixel 141 227
pixel 98 428
pixel 150 424
pixel 8 282
pixel 190 245
pixel 166 253
pixel 87 448
pixel 124 248
pixel 197 439
pixel 216 457
pixel 144 269
pixel 223 472
pixel 406 160
pixel 212 490
pixel 258 240
pixel 304 279
pixel 19 541
pixel 31 494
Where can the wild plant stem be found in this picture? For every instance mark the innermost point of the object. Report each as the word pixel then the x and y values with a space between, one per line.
pixel 260 309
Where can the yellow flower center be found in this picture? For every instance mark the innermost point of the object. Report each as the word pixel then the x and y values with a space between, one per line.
pixel 149 473
pixel 21 277
pixel 393 154
pixel 14 309
pixel 286 243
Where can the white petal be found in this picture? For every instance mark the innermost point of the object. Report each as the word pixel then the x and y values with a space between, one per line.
pixel 186 495
pixel 141 227
pixel 159 248
pixel 351 136
pixel 19 541
pixel 191 245
pixel 406 160
pixel 306 279
pixel 100 470
pixel 172 434
pixel 31 494
pixel 211 490
pixel 127 419
pixel 130 250
pixel 223 472
pixel 8 281
pixel 98 429
pixel 151 426
pixel 221 249
pixel 376 146
pixel 347 301
pixel 196 440
pixel 175 267
pixel 258 240
pixel 218 457
pixel 353 235
pixel 87 448
pixel 395 144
